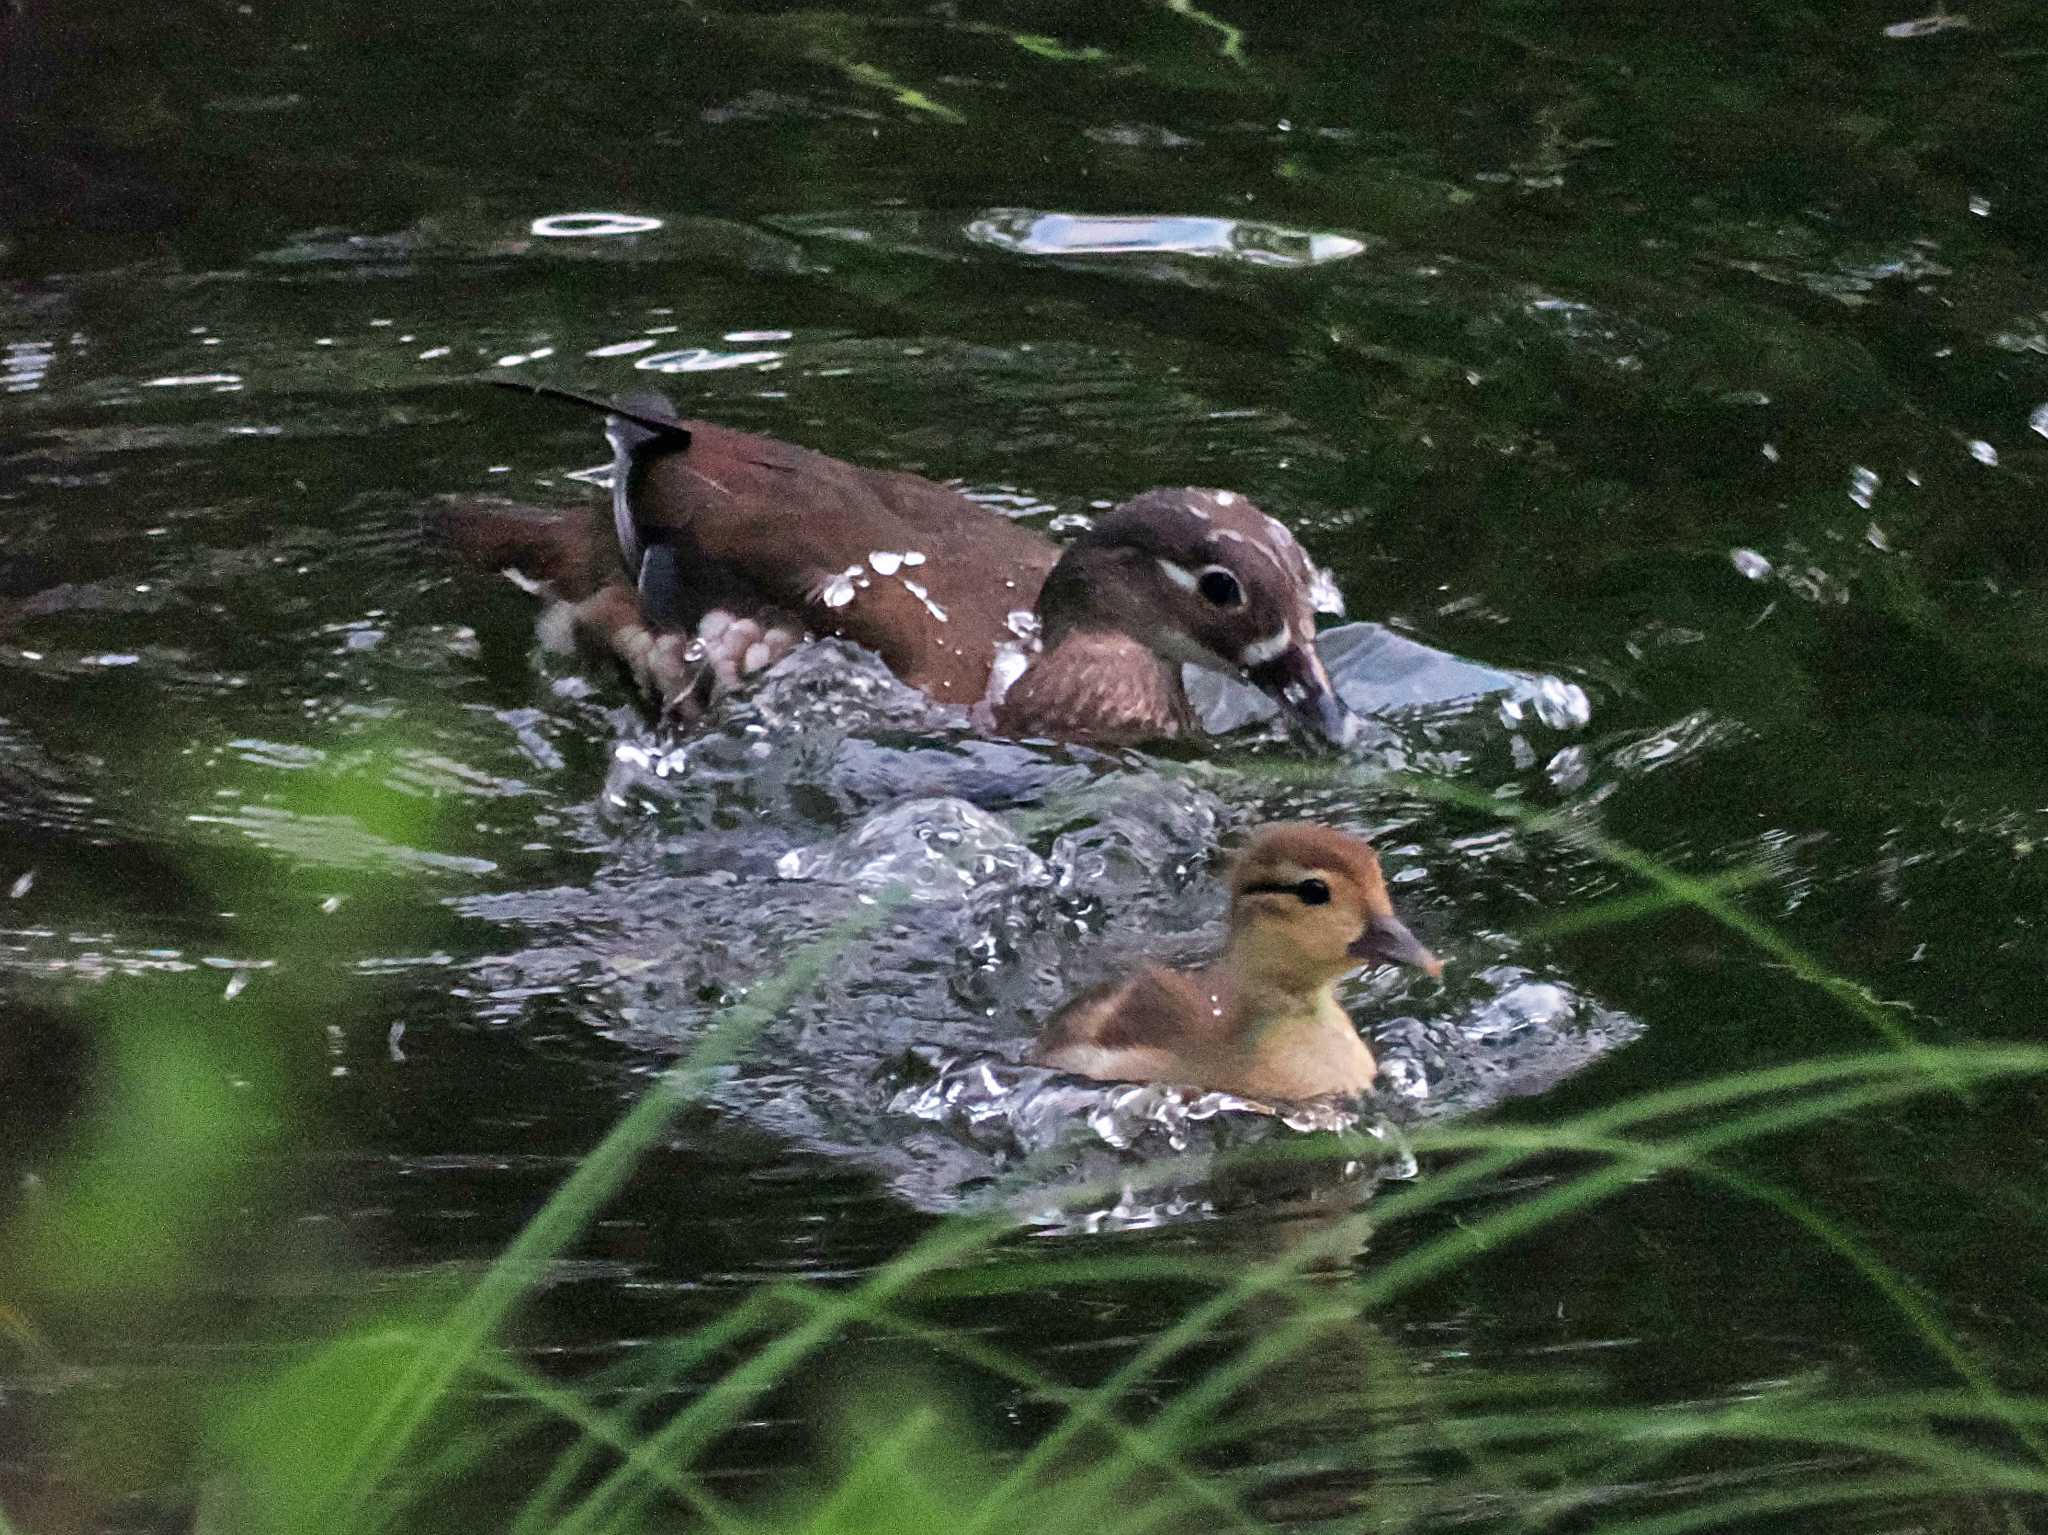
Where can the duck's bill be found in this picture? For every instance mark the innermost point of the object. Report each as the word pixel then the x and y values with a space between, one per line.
pixel 1386 940
pixel 1297 681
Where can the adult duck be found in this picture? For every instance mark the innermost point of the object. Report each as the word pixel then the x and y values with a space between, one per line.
pixel 726 549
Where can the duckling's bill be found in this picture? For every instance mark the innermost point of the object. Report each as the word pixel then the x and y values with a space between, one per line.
pixel 1387 940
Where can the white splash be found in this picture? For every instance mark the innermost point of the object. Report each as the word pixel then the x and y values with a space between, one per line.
pixel 1323 594
pixel 1011 663
pixel 924 597
pixel 884 562
pixel 838 591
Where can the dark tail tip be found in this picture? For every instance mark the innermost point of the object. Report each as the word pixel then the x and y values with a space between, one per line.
pixel 639 409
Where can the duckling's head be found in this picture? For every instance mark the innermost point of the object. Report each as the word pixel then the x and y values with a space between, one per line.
pixel 1309 902
pixel 1205 578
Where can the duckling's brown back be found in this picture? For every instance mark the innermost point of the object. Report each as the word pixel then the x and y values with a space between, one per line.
pixel 1149 1025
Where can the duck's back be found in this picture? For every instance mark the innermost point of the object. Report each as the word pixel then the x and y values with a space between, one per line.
pixel 907 567
pixel 1149 1026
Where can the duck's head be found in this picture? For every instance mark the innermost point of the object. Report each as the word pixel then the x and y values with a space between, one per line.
pixel 1205 578
pixel 1309 902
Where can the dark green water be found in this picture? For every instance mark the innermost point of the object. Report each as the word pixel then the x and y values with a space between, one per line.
pixel 1697 356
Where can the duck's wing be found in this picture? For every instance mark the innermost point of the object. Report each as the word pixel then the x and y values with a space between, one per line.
pixel 708 518
pixel 1141 1028
pixel 893 561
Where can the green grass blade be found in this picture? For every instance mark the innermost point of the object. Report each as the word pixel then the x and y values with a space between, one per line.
pixel 476 1319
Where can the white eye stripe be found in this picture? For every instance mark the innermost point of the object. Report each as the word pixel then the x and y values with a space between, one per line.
pixel 1259 652
pixel 1179 575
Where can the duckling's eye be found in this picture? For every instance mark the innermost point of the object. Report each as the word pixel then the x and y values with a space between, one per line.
pixel 1219 586
pixel 1312 892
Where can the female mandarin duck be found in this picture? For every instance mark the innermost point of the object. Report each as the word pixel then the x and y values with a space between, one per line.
pixel 1307 906
pixel 726 549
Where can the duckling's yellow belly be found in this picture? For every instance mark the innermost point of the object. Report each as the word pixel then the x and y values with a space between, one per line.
pixel 1307 1057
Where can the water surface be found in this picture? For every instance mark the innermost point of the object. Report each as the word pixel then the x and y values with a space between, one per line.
pixel 1695 362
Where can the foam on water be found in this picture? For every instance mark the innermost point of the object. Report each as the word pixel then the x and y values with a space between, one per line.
pixel 1027 874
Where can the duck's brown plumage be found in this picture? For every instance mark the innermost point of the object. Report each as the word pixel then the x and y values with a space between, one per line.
pixel 711 524
pixel 1263 1020
pixel 733 503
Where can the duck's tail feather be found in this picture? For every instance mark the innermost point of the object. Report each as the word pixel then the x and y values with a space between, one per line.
pixel 649 412
pixel 641 428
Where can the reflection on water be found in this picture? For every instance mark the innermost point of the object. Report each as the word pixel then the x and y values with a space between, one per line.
pixel 1075 234
pixel 1432 288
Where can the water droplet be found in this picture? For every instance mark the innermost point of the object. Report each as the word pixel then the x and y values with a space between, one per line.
pixel 1863 485
pixel 1323 593
pixel 1750 563
pixel 1983 452
pixel 2039 420
pixel 1562 705
pixel 1568 769
pixel 1010 664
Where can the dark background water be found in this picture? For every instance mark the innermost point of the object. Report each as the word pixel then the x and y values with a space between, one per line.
pixel 1696 355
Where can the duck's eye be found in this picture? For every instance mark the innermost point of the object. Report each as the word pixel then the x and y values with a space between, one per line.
pixel 1312 892
pixel 1219 586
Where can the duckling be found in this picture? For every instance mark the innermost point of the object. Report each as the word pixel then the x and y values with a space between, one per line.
pixel 726 549
pixel 1307 906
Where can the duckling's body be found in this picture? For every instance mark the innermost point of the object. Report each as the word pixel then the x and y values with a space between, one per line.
pixel 1308 905
pixel 1206 1028
pixel 726 549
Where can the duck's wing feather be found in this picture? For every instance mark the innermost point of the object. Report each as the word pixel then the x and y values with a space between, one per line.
pixel 1141 1028
pixel 907 567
